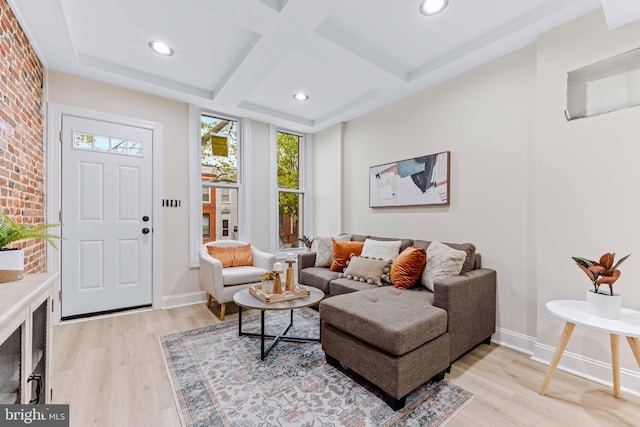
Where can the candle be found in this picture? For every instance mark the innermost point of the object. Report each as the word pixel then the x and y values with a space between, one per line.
pixel 291 257
pixel 277 267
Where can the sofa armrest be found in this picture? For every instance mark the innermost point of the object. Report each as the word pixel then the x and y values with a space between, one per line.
pixel 470 302
pixel 305 260
pixel 262 259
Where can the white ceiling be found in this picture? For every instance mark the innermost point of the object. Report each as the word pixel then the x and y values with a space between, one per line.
pixel 248 57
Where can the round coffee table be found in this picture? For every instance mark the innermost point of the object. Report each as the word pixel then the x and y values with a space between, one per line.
pixel 245 300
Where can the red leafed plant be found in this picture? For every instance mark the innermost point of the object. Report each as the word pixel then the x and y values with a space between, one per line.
pixel 603 271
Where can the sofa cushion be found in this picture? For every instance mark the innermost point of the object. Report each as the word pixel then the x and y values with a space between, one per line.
pixel 391 319
pixel 442 261
pixel 346 286
pixel 318 277
pixel 323 247
pixel 232 256
pixel 368 270
pixel 407 268
pixel 386 250
pixel 241 275
pixel 342 251
pixel 469 248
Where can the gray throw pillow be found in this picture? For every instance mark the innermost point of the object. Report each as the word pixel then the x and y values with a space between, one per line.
pixel 323 247
pixel 369 270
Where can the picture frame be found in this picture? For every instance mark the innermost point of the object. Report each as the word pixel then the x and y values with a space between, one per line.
pixel 419 181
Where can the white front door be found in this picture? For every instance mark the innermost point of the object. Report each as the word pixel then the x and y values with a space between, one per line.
pixel 106 216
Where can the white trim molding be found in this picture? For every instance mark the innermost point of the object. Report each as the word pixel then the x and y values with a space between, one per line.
pixel 189 298
pixel 514 340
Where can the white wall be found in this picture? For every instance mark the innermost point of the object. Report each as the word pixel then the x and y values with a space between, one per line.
pixel 586 185
pixel 482 118
pixel 327 180
pixel 180 282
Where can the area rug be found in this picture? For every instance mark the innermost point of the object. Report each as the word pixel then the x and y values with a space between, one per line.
pixel 218 379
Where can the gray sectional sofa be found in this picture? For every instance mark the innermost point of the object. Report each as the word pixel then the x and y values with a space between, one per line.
pixel 398 339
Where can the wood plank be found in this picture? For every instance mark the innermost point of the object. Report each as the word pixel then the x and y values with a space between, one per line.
pixel 111 372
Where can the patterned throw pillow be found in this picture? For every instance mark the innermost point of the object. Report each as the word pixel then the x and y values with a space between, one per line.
pixel 323 247
pixel 342 251
pixel 406 269
pixel 442 261
pixel 232 256
pixel 370 270
pixel 381 249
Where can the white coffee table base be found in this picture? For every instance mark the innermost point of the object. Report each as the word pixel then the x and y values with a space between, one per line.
pixel 575 312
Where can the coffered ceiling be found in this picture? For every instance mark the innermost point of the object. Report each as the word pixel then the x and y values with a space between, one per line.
pixel 248 57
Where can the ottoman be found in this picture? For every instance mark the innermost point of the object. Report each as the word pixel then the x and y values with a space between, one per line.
pixel 395 339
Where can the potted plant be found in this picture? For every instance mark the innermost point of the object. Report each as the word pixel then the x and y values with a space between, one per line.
pixel 308 241
pixel 12 259
pixel 602 272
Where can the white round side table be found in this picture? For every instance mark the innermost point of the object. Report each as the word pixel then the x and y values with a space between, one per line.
pixel 575 313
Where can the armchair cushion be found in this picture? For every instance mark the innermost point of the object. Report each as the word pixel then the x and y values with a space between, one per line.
pixel 232 256
pixel 239 275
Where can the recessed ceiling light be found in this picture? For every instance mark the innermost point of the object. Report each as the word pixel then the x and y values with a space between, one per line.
pixel 161 48
pixel 433 7
pixel 300 96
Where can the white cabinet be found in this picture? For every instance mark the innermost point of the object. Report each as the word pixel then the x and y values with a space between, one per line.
pixel 25 339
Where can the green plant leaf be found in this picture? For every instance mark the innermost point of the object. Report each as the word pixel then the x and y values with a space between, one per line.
pixel 11 232
pixel 620 261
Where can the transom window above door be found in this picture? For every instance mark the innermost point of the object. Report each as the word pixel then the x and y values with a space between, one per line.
pixel 107 144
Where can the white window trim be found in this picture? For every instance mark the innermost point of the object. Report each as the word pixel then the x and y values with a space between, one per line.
pixel 307 188
pixel 195 185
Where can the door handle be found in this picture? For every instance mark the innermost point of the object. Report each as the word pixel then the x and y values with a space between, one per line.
pixel 145 230
pixel 145 218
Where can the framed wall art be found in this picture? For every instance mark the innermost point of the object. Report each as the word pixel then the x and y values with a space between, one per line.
pixel 419 181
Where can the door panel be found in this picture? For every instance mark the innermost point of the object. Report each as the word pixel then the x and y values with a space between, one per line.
pixel 106 190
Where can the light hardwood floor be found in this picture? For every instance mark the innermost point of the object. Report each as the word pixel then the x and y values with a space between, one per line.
pixel 111 373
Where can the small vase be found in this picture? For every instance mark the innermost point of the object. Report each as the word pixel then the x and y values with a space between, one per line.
pixel 604 305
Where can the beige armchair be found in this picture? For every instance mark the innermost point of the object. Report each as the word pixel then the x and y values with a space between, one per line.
pixel 222 283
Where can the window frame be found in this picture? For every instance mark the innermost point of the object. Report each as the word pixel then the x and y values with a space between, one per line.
pixel 305 188
pixel 196 185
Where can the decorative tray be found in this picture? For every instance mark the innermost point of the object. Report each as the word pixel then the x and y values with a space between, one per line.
pixel 268 297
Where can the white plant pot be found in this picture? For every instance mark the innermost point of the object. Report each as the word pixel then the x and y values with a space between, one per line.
pixel 604 305
pixel 11 265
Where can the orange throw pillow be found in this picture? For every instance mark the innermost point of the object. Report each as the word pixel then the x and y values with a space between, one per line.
pixel 341 253
pixel 232 256
pixel 407 268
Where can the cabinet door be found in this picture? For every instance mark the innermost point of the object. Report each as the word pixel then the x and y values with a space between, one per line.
pixel 13 344
pixel 40 351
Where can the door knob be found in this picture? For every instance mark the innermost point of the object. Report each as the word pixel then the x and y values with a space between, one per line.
pixel 145 230
pixel 145 218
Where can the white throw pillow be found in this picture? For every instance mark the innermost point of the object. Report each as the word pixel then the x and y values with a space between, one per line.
pixel 442 261
pixel 323 247
pixel 381 249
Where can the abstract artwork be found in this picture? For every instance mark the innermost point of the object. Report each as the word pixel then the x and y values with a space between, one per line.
pixel 419 181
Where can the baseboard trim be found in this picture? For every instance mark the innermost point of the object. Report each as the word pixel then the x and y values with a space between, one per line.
pixel 591 369
pixel 173 301
pixel 514 340
pixel 581 366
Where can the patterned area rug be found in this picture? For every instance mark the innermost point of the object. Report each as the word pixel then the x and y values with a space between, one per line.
pixel 219 380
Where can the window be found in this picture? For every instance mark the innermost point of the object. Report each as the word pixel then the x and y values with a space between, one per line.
pixel 606 86
pixel 290 189
pixel 224 196
pixel 206 229
pixel 219 170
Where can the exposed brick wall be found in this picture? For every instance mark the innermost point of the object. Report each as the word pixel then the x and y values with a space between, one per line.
pixel 21 133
